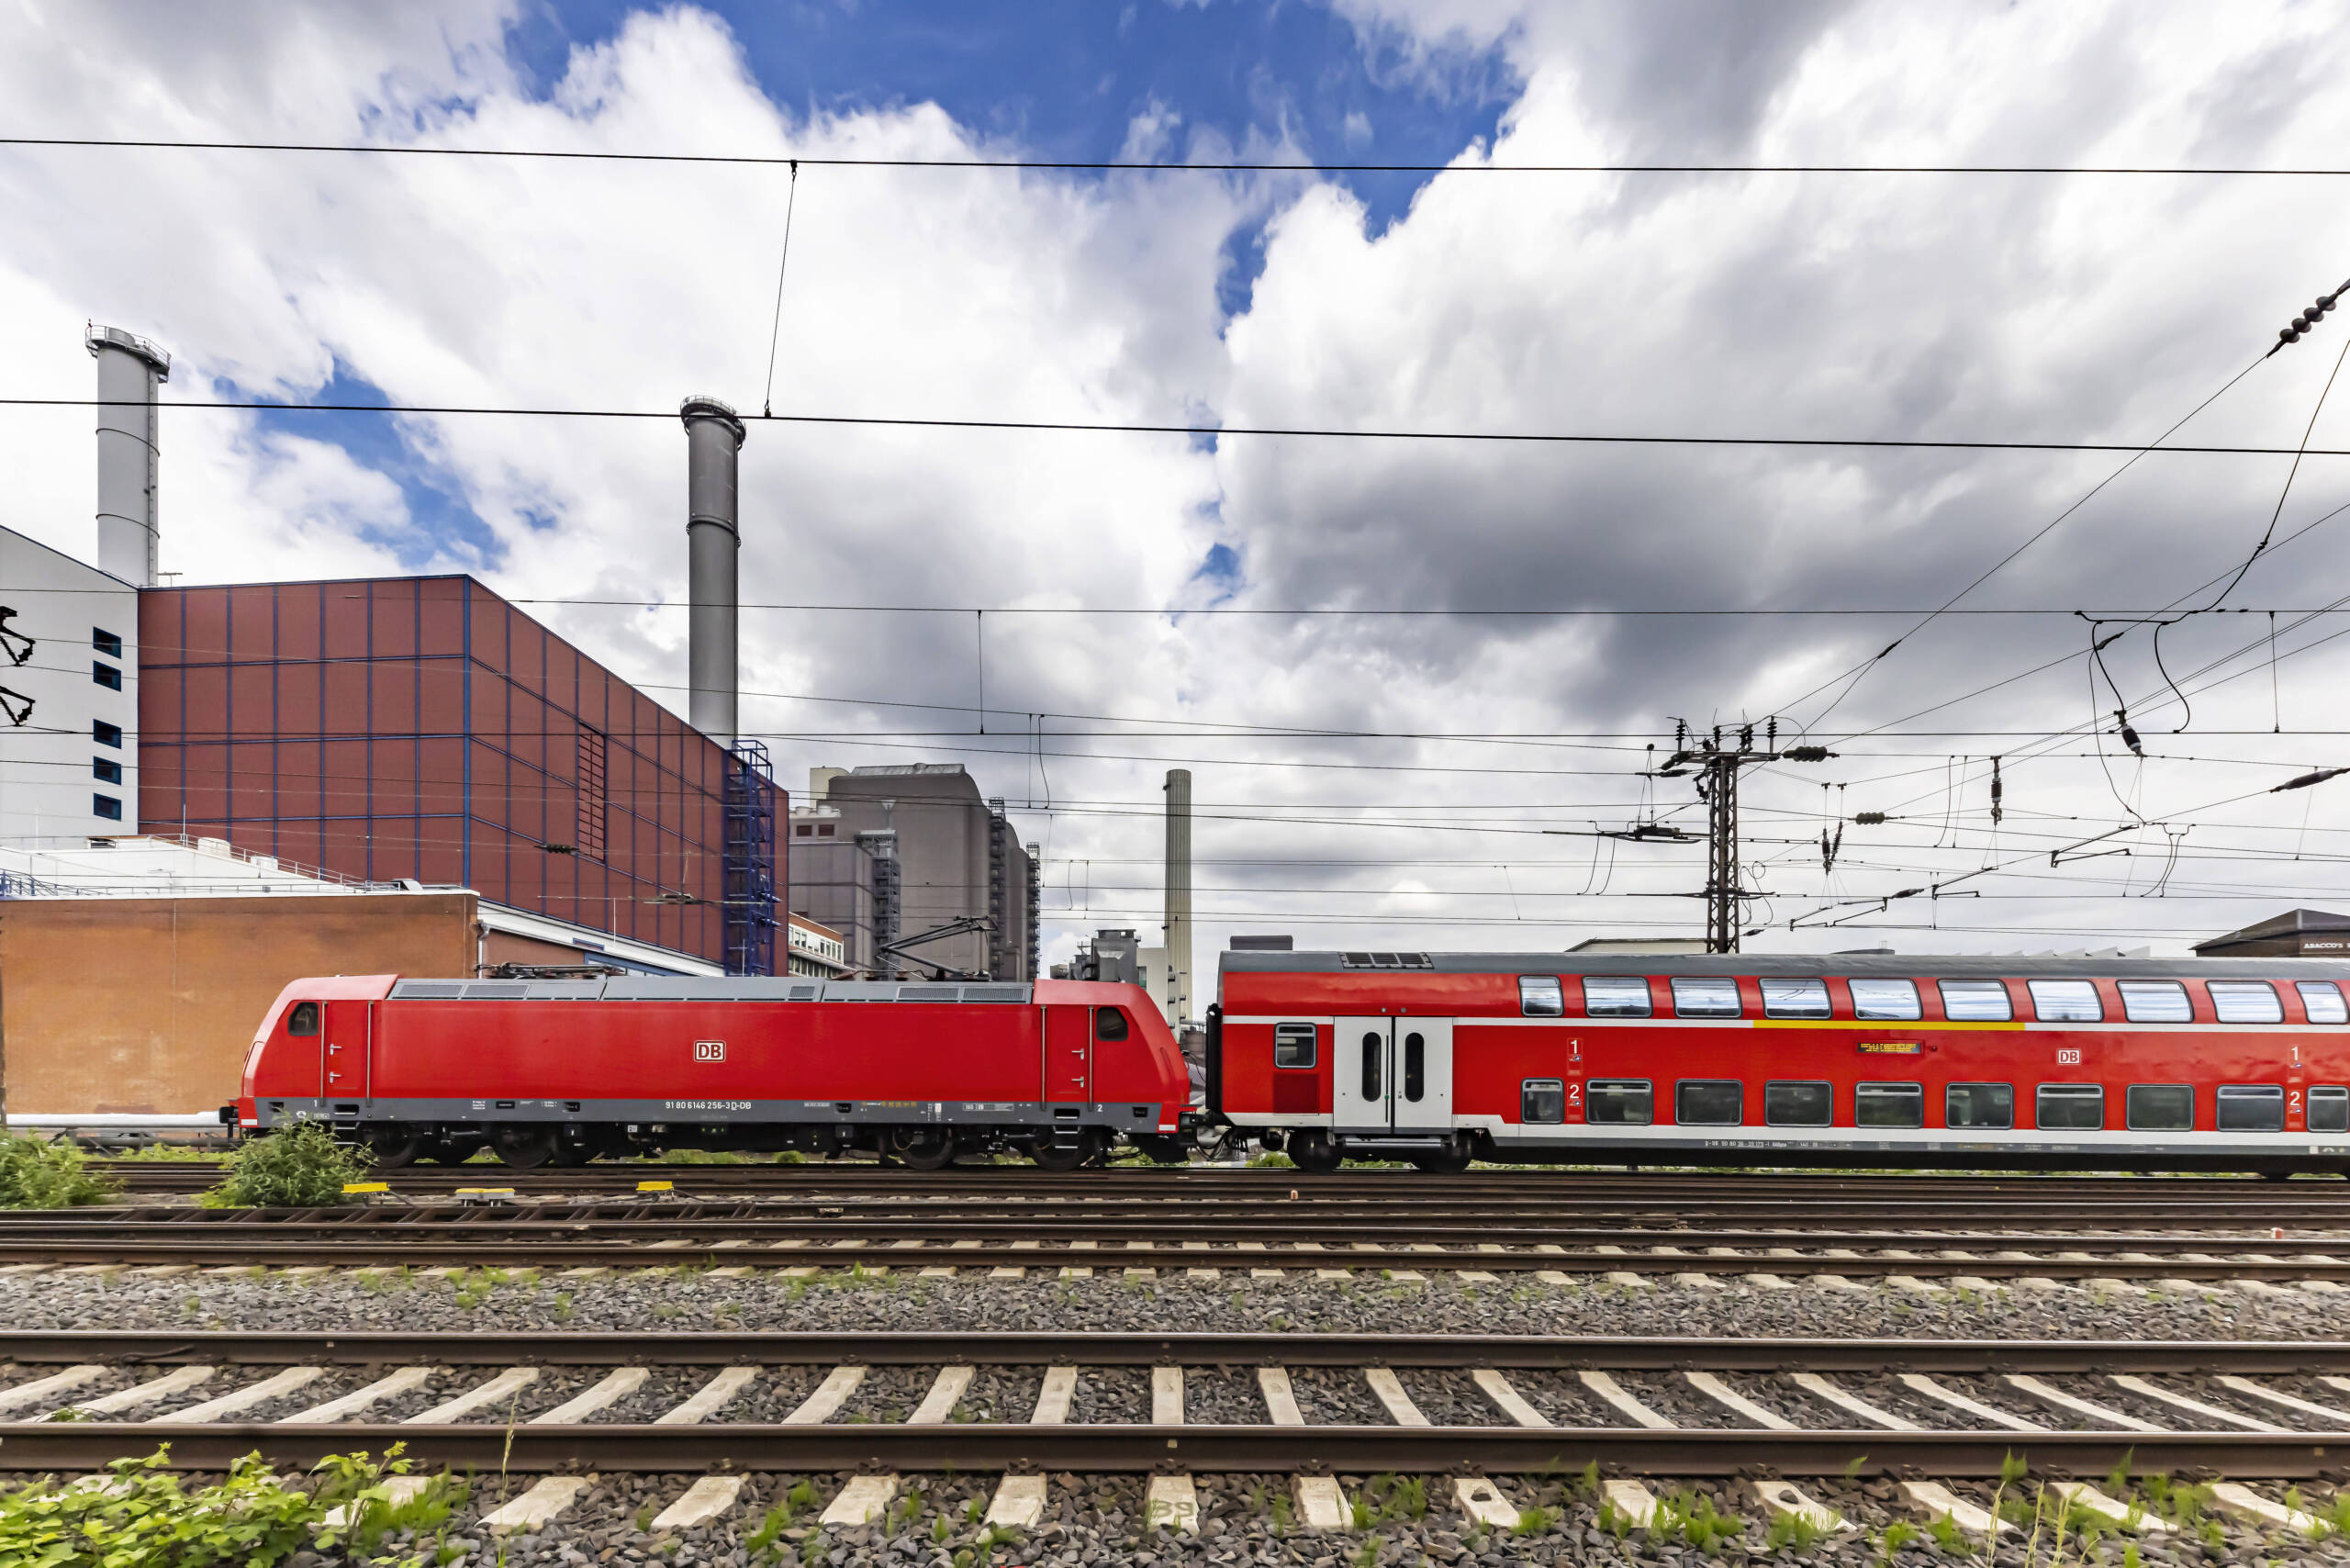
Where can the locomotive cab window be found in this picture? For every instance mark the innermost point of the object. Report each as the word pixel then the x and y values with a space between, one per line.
pixel 1976 1002
pixel 1708 1103
pixel 1619 1102
pixel 2329 1108
pixel 1798 1104
pixel 1293 1045
pixel 2070 1107
pixel 2246 1001
pixel 2155 1002
pixel 1540 996
pixel 1542 1100
pixel 1109 1024
pixel 1615 996
pixel 303 1020
pixel 2252 1108
pixel 1889 999
pixel 2322 1000
pixel 1979 1105
pixel 1795 999
pixel 1889 1104
pixel 1704 997
pixel 2066 1002
pixel 2161 1107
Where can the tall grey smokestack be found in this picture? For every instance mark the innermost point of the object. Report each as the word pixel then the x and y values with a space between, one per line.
pixel 713 437
pixel 1178 895
pixel 130 369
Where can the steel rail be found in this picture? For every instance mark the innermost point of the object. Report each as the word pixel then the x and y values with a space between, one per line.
pixel 975 1447
pixel 439 1252
pixel 1174 1348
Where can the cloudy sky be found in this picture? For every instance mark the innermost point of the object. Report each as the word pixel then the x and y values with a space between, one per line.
pixel 1363 777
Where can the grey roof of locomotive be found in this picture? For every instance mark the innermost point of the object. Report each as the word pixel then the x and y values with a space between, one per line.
pixel 1891 965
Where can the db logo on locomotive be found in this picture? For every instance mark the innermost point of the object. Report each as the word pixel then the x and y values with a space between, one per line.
pixel 710 1050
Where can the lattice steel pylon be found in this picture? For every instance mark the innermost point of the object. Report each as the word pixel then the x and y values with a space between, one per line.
pixel 1718 762
pixel 749 879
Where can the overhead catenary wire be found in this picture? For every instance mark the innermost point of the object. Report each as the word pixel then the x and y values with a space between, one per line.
pixel 1149 166
pixel 1197 430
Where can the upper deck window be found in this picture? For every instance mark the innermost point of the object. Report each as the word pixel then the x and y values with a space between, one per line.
pixel 1795 999
pixel 1705 996
pixel 2246 1001
pixel 1540 996
pixel 1977 1001
pixel 1894 999
pixel 2322 1000
pixel 304 1019
pixel 2066 1002
pixel 1615 996
pixel 2155 1002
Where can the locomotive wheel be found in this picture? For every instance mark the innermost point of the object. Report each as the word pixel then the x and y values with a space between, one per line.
pixel 524 1147
pixel 1051 1155
pixel 1449 1162
pixel 924 1148
pixel 1314 1153
pixel 392 1151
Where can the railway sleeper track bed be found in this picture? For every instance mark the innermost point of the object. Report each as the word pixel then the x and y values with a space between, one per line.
pixel 1169 1431
pixel 411 1239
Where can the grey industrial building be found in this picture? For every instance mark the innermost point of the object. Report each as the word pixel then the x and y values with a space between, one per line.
pixel 885 854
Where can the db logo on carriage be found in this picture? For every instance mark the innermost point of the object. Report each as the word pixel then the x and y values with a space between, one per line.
pixel 710 1050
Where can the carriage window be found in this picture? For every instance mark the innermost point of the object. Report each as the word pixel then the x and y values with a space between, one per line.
pixel 2322 1000
pixel 2329 1108
pixel 1416 1066
pixel 1892 999
pixel 1977 1001
pixel 1708 1103
pixel 1542 1100
pixel 304 1019
pixel 1705 998
pixel 2162 1107
pixel 2246 1001
pixel 2070 1107
pixel 2252 1108
pixel 1293 1045
pixel 1615 996
pixel 1979 1105
pixel 1618 1102
pixel 2155 1002
pixel 2066 1002
pixel 1889 1105
pixel 1540 996
pixel 1795 999
pixel 1797 1104
pixel 1374 1053
pixel 1109 1024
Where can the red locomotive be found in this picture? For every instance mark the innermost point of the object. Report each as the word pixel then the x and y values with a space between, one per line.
pixel 559 1072
pixel 2043 1063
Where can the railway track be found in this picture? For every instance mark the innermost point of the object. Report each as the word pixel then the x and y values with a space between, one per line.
pixel 864 1412
pixel 1083 1236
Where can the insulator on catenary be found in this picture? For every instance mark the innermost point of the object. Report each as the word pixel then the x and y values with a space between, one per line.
pixel 1869 819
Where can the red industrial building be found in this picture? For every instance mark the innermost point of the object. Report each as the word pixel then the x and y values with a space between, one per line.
pixel 424 729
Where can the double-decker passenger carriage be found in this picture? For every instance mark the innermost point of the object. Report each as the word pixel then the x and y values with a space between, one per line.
pixel 2223 1064
pixel 559 1072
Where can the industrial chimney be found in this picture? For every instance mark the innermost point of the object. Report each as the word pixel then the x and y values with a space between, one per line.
pixel 130 370
pixel 713 437
pixel 1180 993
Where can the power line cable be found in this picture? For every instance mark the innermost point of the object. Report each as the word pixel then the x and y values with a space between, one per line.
pixel 1117 427
pixel 758 160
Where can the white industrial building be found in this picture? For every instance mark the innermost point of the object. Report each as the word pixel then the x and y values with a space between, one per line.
pixel 68 630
